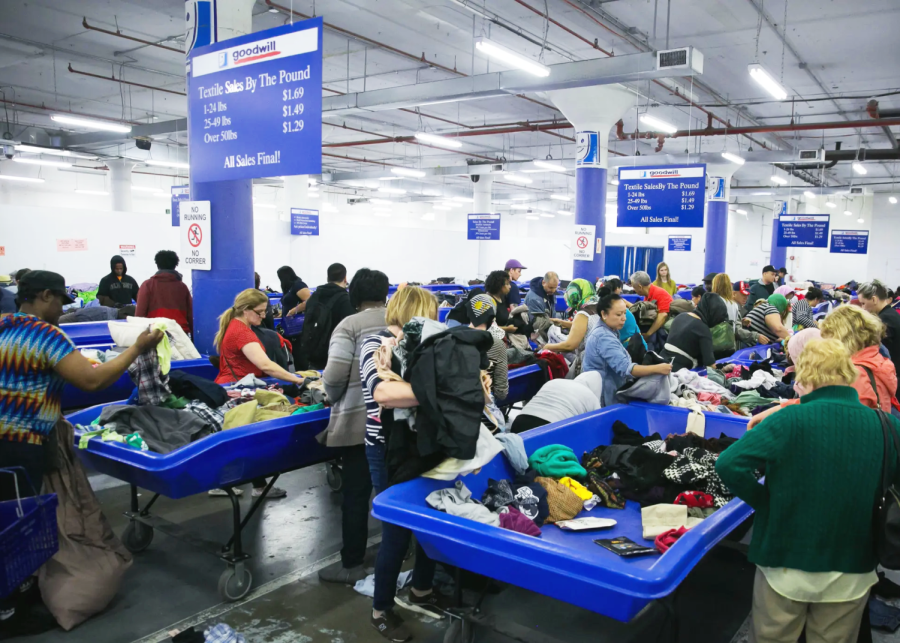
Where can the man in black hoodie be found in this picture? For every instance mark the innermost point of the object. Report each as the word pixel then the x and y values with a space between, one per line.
pixel 325 309
pixel 117 289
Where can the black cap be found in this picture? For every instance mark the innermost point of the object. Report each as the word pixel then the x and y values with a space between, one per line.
pixel 40 280
pixel 769 269
pixel 481 309
pixel 710 277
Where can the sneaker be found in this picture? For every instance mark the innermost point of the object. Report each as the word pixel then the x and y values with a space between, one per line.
pixel 337 573
pixel 391 627
pixel 274 493
pixel 221 492
pixel 433 604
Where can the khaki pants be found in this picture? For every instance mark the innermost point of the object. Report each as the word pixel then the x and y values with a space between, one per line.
pixel 777 619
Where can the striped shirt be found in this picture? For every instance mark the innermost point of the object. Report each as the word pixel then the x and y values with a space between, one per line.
pixel 499 369
pixel 803 315
pixel 30 388
pixel 757 318
pixel 368 375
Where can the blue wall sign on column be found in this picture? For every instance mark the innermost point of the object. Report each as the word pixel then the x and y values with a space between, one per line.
pixel 587 149
pixel 851 242
pixel 255 104
pixel 803 230
pixel 680 243
pixel 196 235
pixel 304 222
pixel 660 197
pixel 483 227
pixel 179 193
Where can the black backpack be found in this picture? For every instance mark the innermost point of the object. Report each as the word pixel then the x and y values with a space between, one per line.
pixel 317 329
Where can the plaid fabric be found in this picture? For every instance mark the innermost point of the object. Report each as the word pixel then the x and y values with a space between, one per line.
pixel 213 417
pixel 222 633
pixel 696 468
pixel 658 446
pixel 152 386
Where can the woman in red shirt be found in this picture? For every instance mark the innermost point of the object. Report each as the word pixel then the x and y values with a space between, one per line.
pixel 240 351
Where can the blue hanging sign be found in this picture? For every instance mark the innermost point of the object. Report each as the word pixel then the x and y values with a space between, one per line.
pixel 850 242
pixel 179 193
pixel 255 105
pixel 587 149
pixel 803 230
pixel 484 227
pixel 304 223
pixel 680 243
pixel 668 196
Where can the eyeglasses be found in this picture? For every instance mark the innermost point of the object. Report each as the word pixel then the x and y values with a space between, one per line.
pixel 261 314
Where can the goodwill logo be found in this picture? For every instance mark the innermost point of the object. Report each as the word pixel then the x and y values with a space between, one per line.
pixel 660 174
pixel 291 44
pixel 223 59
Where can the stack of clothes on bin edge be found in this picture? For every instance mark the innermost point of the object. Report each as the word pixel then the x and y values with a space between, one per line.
pixel 170 409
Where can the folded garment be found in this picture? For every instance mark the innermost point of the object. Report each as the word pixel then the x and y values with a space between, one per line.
pixel 577 488
pixel 457 501
pixel 486 448
pixel 514 520
pixel 668 538
pixel 695 499
pixel 514 450
pixel 562 501
pixel 609 497
pixel 658 519
pixel 556 461
pixel 268 405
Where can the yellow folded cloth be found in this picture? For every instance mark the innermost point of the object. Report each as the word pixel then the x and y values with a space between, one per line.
pixel 577 488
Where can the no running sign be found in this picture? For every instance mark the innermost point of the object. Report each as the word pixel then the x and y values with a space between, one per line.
pixel 196 235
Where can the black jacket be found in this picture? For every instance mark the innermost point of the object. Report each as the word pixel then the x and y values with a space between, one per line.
pixel 122 291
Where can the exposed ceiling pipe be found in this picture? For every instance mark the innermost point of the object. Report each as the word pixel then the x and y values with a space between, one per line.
pixel 16 103
pixel 125 82
pixel 874 112
pixel 119 34
pixel 489 132
pixel 764 129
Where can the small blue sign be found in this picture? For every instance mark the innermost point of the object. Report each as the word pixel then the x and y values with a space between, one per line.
pixel 716 187
pixel 803 230
pixel 255 104
pixel 304 223
pixel 587 149
pixel 179 193
pixel 850 242
pixel 484 227
pixel 680 243
pixel 668 196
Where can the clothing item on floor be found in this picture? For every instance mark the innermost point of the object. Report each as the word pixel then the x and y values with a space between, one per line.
pixel 457 501
pixel 222 633
pixel 514 520
pixel 556 461
pixel 514 450
pixel 485 450
pixel 164 430
pixel 658 519
pixel 561 501
pixel 668 538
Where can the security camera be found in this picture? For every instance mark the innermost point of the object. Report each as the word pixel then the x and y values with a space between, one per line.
pixel 475 178
pixel 8 151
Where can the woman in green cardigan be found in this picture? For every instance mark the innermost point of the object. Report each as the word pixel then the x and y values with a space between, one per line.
pixel 812 535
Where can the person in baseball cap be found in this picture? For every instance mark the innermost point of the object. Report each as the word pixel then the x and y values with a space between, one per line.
pixel 740 291
pixel 514 268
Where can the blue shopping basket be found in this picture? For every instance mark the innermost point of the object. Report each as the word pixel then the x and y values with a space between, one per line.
pixel 28 535
pixel 292 325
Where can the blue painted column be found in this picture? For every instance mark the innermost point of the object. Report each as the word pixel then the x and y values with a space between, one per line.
pixel 716 237
pixel 777 256
pixel 231 213
pixel 590 209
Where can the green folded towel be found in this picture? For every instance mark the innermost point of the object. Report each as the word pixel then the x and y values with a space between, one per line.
pixel 556 461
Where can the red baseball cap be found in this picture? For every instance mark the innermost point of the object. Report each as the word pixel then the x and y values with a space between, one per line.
pixel 741 286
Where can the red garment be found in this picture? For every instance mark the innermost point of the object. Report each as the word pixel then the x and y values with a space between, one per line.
pixel 668 538
pixel 558 366
pixel 695 499
pixel 885 378
pixel 233 364
pixel 164 295
pixel 661 297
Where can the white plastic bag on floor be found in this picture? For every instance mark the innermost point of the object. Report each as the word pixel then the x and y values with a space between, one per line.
pixel 366 586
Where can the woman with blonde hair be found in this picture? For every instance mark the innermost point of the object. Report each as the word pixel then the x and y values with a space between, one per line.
pixel 812 536
pixel 664 279
pixel 721 286
pixel 240 351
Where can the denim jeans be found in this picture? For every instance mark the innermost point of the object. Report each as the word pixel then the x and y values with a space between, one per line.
pixel 356 491
pixel 377 468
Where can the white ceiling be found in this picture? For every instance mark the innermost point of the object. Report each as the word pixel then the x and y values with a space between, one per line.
pixel 834 49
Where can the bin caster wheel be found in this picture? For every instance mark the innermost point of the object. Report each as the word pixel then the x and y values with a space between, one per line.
pixel 234 584
pixel 137 537
pixel 335 478
pixel 459 631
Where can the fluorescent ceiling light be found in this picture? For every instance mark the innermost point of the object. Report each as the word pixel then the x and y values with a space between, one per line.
pixel 859 168
pixel 392 190
pixel 441 207
pixel 176 164
pixel 615 181
pixel 766 81
pixel 565 213
pixel 860 220
pixel 533 171
pixel 892 199
pixel 381 201
pixel 553 167
pixel 547 215
pixel 521 197
pixel 658 124
pixel 381 214
pixel 89 123
pixel 264 206
pixel 431 192
pixel 141 188
pixel 389 178
pixel 428 216
pixel 740 211
pixel 532 218
pixel 560 197
pixel 763 193
pixel 23 179
pixel 273 10
pixel 434 139
pixel 96 192
pixel 464 199
pixel 809 195
pixel 780 180
pixel 53 152
pixel 19 159
pixel 404 171
pixel 830 204
pixel 734 158
pixel 515 178
pixel 848 213
pixel 519 206
pixel 313 195
pixel 493 50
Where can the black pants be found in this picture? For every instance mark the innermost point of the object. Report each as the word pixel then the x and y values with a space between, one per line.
pixel 301 361
pixel 356 490
pixel 524 422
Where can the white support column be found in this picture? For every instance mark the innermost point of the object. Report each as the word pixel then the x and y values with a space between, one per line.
pixel 483 205
pixel 120 184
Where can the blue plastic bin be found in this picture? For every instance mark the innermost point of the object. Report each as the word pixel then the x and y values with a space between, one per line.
pixel 292 325
pixel 83 334
pixel 632 299
pixel 568 566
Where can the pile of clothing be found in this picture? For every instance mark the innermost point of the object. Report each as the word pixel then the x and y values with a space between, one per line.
pixel 731 389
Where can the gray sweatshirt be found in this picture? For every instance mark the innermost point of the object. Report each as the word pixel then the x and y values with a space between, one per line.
pixel 562 399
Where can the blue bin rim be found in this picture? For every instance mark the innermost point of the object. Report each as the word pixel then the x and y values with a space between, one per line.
pixel 658 581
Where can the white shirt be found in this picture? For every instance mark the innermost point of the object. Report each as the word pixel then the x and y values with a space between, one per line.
pixel 818 587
